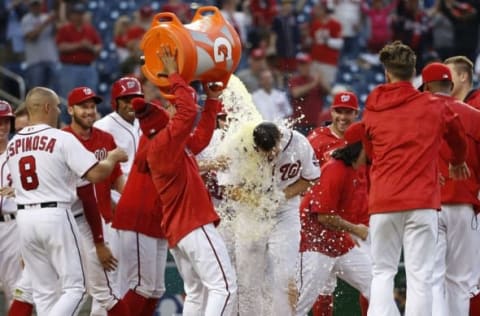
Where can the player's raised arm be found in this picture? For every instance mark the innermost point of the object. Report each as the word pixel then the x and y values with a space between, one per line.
pixel 104 168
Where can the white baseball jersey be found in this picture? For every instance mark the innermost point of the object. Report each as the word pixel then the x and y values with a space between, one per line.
pixel 126 136
pixel 273 106
pixel 43 145
pixel 8 204
pixel 296 160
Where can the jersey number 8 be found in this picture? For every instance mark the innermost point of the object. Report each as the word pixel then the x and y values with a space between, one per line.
pixel 28 174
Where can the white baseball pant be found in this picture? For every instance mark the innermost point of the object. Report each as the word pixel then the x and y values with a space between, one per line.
pixel 10 268
pixel 316 271
pixel 50 245
pixel 454 260
pixel 418 230
pixel 144 259
pixel 266 268
pixel 100 284
pixel 208 275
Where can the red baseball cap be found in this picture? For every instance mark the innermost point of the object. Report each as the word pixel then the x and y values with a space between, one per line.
pixel 436 72
pixel 257 53
pixel 303 58
pixel 82 94
pixel 355 133
pixel 345 99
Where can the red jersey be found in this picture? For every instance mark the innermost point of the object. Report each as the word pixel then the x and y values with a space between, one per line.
pixel 171 158
pixel 100 143
pixel 319 31
pixel 324 142
pixel 140 208
pixel 405 129
pixel 473 98
pixel 309 105
pixel 332 194
pixel 464 191
pixel 69 33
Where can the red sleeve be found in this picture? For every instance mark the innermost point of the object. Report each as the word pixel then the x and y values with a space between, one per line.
pixel 336 30
pixel 177 132
pixel 202 134
pixel 328 190
pixel 95 36
pixel 455 136
pixel 61 34
pixel 87 195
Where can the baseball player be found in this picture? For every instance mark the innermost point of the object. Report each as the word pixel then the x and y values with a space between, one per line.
pixel 462 77
pixel 10 258
pixel 294 168
pixel 328 214
pixel 144 244
pixel 82 107
pixel 452 274
pixel 188 216
pixel 325 140
pixel 124 128
pixel 404 193
pixel 44 164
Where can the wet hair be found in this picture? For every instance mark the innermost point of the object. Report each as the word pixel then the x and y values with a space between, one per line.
pixel 266 135
pixel 348 154
pixel 399 60
pixel 462 65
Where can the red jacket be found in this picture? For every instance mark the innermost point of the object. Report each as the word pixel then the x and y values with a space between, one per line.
pixel 171 158
pixel 473 98
pixel 464 191
pixel 324 142
pixel 405 129
pixel 139 208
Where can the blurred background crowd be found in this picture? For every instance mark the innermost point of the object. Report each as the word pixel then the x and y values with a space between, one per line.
pixel 295 53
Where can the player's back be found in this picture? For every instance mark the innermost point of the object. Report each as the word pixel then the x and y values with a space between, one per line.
pixel 44 163
pixel 405 128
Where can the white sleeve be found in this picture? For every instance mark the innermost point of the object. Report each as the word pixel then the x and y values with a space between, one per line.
pixel 310 164
pixel 78 158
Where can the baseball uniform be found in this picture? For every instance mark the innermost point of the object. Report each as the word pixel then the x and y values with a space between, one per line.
pixel 454 269
pixel 9 247
pixel 188 216
pixel 405 192
pixel 44 164
pixel 143 242
pixel 324 252
pixel 265 265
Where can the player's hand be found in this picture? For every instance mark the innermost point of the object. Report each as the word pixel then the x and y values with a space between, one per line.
pixel 459 172
pixel 168 59
pixel 361 231
pixel 8 192
pixel 118 155
pixel 108 261
pixel 220 163
pixel 441 179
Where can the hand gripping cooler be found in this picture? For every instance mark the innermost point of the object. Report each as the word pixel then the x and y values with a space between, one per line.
pixel 209 48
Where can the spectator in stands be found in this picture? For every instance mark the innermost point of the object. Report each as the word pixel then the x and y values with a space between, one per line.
pixel 379 22
pixel 286 28
pixel 256 64
pixel 347 12
pixel 443 33
pixel 181 9
pixel 272 103
pixel 79 45
pixel 412 26
pixel 326 41
pixel 308 90
pixel 41 53
pixel 120 31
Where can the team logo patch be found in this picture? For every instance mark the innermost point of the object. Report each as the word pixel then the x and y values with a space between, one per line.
pixel 345 98
pixel 87 91
pixel 131 84
pixel 4 106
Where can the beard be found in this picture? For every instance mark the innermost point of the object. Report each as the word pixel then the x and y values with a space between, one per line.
pixel 83 123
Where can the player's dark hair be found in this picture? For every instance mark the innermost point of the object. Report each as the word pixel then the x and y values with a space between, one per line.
pixel 266 135
pixel 462 64
pixel 348 154
pixel 399 60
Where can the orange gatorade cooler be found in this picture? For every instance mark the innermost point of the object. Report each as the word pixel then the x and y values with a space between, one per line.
pixel 209 48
